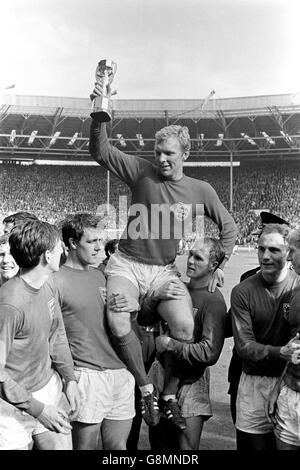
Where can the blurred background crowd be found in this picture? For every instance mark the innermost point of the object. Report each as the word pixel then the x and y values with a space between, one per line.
pixel 52 191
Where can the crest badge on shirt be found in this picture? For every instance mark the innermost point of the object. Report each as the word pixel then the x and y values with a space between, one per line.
pixel 103 296
pixel 51 307
pixel 195 311
pixel 181 210
pixel 286 311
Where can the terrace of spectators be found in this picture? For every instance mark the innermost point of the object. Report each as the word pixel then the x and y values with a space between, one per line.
pixel 267 176
pixel 52 191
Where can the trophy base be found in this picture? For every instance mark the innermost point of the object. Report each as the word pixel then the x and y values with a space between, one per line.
pixel 101 116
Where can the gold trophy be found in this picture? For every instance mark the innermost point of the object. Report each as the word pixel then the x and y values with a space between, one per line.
pixel 101 105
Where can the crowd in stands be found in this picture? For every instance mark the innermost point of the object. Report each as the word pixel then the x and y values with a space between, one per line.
pixel 51 192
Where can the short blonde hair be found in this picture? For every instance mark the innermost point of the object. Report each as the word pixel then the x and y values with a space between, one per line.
pixel 180 132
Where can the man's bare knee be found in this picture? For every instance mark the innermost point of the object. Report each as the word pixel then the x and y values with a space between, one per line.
pixel 116 445
pixel 188 328
pixel 119 323
pixel 181 323
pixel 182 332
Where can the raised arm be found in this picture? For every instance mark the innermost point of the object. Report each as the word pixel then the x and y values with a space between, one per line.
pixel 126 167
pixel 215 210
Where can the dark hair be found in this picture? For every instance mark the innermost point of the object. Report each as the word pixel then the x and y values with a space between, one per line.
pixel 73 227
pixel 216 250
pixel 110 246
pixel 18 217
pixel 28 241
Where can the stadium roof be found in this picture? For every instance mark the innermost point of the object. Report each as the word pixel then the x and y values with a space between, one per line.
pixel 46 127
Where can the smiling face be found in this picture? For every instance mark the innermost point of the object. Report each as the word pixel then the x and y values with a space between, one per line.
pixel 8 266
pixel 272 255
pixel 169 158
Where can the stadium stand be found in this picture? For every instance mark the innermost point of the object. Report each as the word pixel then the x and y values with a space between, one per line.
pixel 53 191
pixel 260 134
pixel 255 125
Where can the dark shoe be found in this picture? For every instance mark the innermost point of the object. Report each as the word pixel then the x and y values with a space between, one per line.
pixel 173 413
pixel 149 409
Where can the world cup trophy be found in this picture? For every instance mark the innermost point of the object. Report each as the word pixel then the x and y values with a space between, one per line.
pixel 101 105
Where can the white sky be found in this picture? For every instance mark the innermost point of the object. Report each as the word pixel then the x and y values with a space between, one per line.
pixel 163 48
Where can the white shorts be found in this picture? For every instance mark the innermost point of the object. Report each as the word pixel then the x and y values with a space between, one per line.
pixel 106 394
pixel 253 393
pixel 193 399
pixel 287 428
pixel 17 427
pixel 145 277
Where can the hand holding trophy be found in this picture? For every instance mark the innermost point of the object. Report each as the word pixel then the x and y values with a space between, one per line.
pixel 101 105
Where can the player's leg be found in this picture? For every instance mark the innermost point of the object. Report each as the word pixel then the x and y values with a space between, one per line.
pixel 147 337
pixel 49 440
pixel 15 428
pixel 122 278
pixel 52 394
pixel 179 316
pixel 118 421
pixel 124 339
pixel 251 419
pixel 128 277
pixel 195 404
pixel 190 438
pixel 85 435
pixel 115 433
pixel 243 441
pixel 96 391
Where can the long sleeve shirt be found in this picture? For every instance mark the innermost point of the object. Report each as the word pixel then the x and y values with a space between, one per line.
pixel 209 334
pixel 33 343
pixel 260 323
pixel 209 331
pixel 161 210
